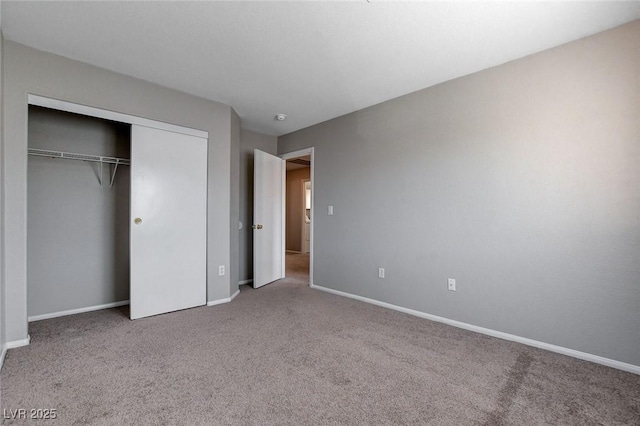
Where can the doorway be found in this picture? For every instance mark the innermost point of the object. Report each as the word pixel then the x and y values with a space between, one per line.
pixel 298 217
pixel 270 204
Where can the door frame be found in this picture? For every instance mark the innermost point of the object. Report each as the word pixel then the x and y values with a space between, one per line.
pixel 289 156
pixel 111 115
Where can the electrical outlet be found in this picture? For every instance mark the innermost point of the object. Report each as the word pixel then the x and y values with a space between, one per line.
pixel 380 272
pixel 221 270
pixel 451 283
pixel 330 210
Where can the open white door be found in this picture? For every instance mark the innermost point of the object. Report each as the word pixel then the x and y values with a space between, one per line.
pixel 268 229
pixel 168 221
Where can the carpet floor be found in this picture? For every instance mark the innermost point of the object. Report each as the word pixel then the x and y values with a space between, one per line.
pixel 288 354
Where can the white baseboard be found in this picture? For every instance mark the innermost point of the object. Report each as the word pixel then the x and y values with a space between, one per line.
pixel 12 345
pixel 78 311
pixel 233 296
pixel 243 282
pixel 18 343
pixel 3 353
pixel 225 300
pixel 499 334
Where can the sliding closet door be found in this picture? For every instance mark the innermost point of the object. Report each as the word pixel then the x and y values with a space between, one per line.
pixel 168 221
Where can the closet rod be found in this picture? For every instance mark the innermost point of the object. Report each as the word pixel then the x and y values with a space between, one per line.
pixel 83 157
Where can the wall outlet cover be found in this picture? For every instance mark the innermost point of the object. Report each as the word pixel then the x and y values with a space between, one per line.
pixel 451 284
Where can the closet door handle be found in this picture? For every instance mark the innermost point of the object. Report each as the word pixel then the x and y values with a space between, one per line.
pixel 137 221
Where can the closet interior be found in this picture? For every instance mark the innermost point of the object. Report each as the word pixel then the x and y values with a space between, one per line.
pixel 78 191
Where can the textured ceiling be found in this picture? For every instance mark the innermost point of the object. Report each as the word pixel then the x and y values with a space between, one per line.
pixel 311 61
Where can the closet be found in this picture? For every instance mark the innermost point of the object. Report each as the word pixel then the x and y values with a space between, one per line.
pixel 116 214
pixel 77 214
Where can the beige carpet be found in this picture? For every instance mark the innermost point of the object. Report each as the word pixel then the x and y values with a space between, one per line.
pixel 297 268
pixel 287 354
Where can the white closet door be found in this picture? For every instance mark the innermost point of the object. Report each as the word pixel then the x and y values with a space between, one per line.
pixel 168 221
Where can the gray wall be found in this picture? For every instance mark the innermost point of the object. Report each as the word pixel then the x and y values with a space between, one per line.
pixel 295 211
pixel 27 70
pixel 77 230
pixel 248 142
pixel 520 181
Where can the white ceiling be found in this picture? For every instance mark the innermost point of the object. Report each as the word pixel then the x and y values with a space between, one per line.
pixel 311 61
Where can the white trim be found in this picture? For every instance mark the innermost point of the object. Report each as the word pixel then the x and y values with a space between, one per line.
pixel 78 311
pixel 112 115
pixel 219 301
pixel 499 334
pixel 301 153
pixel 243 282
pixel 225 300
pixel 18 343
pixel 295 154
pixel 2 355
pixel 283 217
pixel 12 345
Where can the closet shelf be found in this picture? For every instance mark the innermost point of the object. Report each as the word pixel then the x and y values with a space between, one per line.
pixel 84 157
